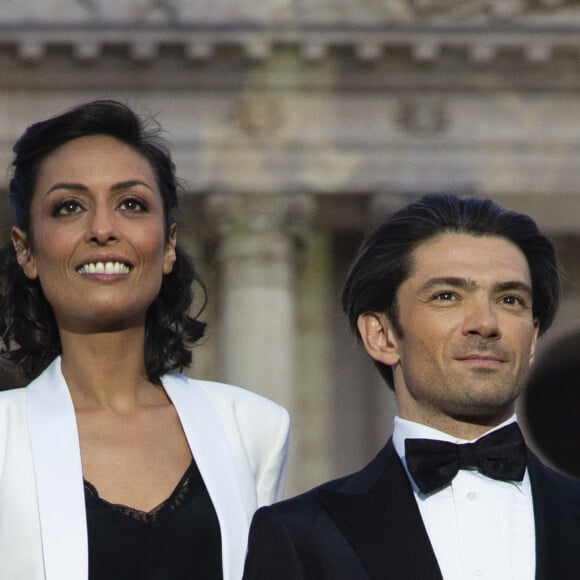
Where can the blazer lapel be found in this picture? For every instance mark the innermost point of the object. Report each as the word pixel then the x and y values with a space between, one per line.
pixel 208 443
pixel 59 477
pixel 377 513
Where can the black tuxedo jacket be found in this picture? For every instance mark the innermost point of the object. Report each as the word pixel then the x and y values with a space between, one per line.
pixel 367 525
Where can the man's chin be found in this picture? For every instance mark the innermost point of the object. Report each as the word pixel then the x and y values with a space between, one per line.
pixel 485 413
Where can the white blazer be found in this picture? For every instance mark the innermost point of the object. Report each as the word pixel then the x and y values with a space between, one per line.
pixel 239 441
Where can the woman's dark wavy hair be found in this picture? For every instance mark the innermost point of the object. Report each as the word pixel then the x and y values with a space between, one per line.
pixel 384 260
pixel 29 336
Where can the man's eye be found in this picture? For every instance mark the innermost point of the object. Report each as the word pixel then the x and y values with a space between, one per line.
pixel 513 300
pixel 445 296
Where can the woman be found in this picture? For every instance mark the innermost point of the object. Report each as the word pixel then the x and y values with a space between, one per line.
pixel 113 465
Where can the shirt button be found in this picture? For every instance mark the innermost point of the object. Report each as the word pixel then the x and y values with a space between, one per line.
pixel 471 496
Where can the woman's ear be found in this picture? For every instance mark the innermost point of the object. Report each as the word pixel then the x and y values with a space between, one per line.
pixel 24 254
pixel 379 337
pixel 170 255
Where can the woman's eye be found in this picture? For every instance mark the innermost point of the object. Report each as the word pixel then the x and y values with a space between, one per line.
pixel 132 204
pixel 67 207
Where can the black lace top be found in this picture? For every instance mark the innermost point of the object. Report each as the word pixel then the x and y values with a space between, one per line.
pixel 178 540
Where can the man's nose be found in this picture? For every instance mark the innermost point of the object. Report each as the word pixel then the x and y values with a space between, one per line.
pixel 481 319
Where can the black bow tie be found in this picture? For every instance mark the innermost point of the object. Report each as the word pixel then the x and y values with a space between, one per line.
pixel 500 455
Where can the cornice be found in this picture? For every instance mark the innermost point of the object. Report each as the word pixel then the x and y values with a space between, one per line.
pixel 425 44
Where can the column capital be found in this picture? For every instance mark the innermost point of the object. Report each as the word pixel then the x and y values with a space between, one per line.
pixel 254 214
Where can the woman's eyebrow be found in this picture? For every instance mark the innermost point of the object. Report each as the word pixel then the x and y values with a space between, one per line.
pixel 130 183
pixel 71 186
pixel 65 185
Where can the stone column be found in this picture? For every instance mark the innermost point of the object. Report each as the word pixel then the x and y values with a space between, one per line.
pixel 256 255
pixel 313 425
pixel 256 252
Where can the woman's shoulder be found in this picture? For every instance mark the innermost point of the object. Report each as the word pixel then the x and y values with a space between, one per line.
pixel 228 393
pixel 245 405
pixel 239 395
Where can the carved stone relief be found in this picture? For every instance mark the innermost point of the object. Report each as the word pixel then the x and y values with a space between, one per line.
pixel 275 11
pixel 494 9
pixel 257 115
pixel 423 115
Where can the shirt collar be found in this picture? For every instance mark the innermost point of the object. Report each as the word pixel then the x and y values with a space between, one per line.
pixel 405 429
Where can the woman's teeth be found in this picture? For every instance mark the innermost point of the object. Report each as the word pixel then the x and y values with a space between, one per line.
pixel 104 268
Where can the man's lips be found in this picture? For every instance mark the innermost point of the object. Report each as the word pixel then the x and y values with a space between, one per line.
pixel 482 360
pixel 481 357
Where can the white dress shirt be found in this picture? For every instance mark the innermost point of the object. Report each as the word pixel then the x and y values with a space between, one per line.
pixel 478 527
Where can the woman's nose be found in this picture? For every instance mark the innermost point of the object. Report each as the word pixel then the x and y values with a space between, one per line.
pixel 102 226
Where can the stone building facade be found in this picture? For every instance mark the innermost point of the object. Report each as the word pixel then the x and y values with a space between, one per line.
pixel 295 126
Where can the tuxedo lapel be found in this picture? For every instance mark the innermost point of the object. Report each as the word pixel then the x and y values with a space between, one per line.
pixel 557 522
pixel 59 479
pixel 377 513
pixel 213 456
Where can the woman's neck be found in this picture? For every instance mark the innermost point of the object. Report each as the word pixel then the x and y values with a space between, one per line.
pixel 107 369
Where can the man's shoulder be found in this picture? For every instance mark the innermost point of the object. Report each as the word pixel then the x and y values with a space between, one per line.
pixel 305 507
pixel 356 483
pixel 546 478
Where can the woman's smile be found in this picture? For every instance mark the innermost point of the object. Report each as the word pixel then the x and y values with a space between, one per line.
pixel 105 268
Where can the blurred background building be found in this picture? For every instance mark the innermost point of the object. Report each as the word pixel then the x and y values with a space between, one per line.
pixel 296 125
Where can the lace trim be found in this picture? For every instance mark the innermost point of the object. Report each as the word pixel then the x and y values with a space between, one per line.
pixel 173 502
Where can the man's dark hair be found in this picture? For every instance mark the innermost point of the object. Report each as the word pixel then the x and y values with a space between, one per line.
pixel 29 336
pixel 384 260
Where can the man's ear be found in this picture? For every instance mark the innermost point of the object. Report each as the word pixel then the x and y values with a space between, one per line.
pixel 170 255
pixel 24 254
pixel 379 337
pixel 534 340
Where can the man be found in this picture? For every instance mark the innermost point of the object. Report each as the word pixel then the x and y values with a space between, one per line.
pixel 448 297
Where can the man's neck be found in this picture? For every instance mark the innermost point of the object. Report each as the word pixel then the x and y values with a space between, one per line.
pixel 431 432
